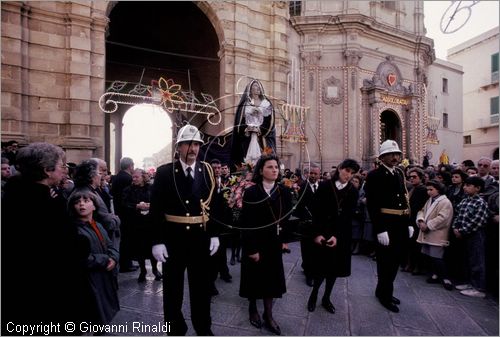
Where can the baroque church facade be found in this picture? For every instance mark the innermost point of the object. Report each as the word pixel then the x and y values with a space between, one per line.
pixel 343 76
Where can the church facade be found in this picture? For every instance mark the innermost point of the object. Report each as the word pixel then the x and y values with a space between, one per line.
pixel 343 76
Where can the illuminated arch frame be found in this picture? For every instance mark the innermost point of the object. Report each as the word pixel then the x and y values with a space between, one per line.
pixel 397 110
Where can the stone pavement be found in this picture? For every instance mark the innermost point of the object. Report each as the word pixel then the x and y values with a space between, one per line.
pixel 426 309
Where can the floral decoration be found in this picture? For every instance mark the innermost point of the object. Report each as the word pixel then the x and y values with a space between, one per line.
pixel 169 93
pixel 267 150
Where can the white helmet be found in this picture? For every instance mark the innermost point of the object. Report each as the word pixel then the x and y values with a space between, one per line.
pixel 188 133
pixel 389 146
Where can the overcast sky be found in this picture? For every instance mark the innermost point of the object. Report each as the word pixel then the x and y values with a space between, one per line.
pixel 484 16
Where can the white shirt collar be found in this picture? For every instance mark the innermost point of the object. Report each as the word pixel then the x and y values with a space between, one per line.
pixel 267 187
pixel 315 185
pixel 391 169
pixel 185 166
pixel 340 185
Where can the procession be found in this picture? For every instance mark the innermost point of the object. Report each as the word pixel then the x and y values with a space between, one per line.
pixel 249 168
pixel 438 222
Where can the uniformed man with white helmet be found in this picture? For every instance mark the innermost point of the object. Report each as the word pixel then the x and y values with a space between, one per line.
pixel 184 235
pixel 388 206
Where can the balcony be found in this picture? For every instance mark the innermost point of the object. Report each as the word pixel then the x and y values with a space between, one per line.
pixel 490 122
pixel 494 82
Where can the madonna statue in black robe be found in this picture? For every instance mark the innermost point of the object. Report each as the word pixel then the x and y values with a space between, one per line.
pixel 254 129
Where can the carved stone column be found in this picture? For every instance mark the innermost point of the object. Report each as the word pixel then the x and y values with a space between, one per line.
pixel 354 117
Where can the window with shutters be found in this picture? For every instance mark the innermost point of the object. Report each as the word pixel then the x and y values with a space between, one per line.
pixel 494 68
pixel 445 85
pixel 494 110
pixel 295 8
pixel 391 5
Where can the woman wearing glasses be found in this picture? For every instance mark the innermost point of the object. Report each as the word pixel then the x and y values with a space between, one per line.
pixel 418 197
pixel 42 251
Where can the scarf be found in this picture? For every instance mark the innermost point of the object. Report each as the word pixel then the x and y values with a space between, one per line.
pixel 93 224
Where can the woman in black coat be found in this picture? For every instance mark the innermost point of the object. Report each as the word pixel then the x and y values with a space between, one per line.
pixel 135 210
pixel 454 255
pixel 266 209
pixel 336 201
pixel 42 281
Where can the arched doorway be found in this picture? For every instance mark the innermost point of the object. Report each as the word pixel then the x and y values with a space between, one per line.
pixel 149 40
pixel 390 126
pixel 147 136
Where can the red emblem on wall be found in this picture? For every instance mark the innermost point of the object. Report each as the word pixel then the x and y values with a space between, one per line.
pixel 391 79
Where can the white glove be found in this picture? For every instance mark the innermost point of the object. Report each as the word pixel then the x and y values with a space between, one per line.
pixel 160 253
pixel 214 245
pixel 411 230
pixel 383 238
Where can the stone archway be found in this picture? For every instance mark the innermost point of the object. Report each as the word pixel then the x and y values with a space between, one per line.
pixel 148 40
pixel 390 126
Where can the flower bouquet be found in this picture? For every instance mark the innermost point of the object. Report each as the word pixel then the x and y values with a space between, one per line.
pixel 294 187
pixel 233 191
pixel 291 233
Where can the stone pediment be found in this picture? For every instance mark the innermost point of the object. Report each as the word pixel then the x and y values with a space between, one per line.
pixel 388 77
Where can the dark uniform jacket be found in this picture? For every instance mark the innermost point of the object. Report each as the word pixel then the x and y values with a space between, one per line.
pixel 171 195
pixel 385 190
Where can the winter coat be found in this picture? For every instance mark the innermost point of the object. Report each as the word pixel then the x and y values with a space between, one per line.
pixel 111 222
pixel 42 278
pixel 101 281
pixel 335 211
pixel 261 215
pixel 437 216
pixel 137 222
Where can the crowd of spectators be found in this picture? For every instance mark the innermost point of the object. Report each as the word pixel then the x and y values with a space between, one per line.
pixel 454 211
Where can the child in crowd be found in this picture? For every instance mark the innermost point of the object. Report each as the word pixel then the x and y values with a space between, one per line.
pixel 469 225
pixel 102 259
pixel 434 221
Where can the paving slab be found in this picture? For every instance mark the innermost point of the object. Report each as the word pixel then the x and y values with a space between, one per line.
pixel 426 309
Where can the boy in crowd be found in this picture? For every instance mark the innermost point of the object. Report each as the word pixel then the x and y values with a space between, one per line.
pixel 469 225
pixel 101 261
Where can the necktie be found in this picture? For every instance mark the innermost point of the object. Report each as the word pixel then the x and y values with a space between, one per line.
pixel 189 177
pixel 314 188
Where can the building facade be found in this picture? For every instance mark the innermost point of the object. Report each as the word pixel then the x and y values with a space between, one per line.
pixel 359 69
pixel 479 59
pixel 445 122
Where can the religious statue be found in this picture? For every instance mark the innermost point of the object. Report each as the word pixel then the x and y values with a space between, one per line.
pixel 443 158
pixel 254 132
